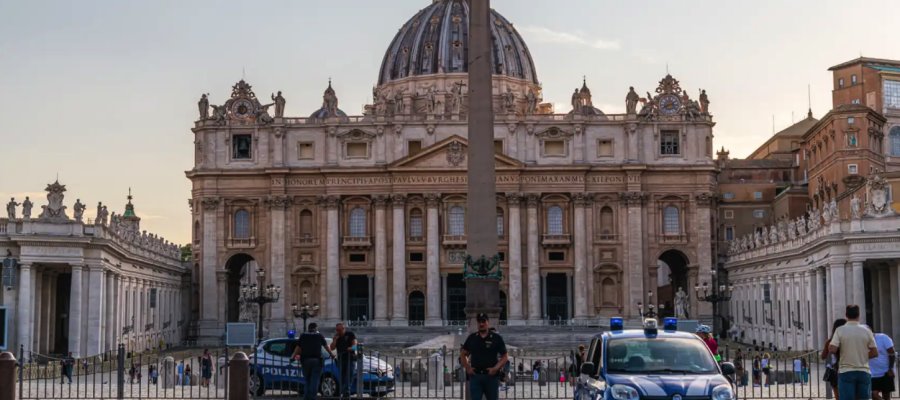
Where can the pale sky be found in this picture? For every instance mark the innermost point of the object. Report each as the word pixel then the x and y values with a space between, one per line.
pixel 103 93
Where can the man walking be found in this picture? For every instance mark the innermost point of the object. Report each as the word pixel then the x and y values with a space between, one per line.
pixel 309 352
pixel 882 367
pixel 856 345
pixel 344 343
pixel 483 356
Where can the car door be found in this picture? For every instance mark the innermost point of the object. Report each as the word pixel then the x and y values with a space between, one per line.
pixel 277 361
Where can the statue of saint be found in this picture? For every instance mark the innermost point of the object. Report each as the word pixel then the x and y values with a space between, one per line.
pixel 279 104
pixel 576 102
pixel 509 101
pixel 79 210
pixel 457 97
pixel 11 208
pixel 99 211
pixel 330 101
pixel 104 214
pixel 531 102
pixel 398 102
pixel 631 100
pixel 681 303
pixel 203 105
pixel 26 208
pixel 704 102
pixel 854 207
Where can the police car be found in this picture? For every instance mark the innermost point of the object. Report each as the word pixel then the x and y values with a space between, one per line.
pixel 652 363
pixel 271 368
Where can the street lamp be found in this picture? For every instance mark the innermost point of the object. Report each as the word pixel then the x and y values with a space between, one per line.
pixel 260 295
pixel 713 294
pixel 305 310
pixel 651 309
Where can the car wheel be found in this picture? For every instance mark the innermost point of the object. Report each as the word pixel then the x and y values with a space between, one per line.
pixel 328 386
pixel 257 387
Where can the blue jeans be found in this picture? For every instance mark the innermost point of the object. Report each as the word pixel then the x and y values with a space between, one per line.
pixel 855 385
pixel 312 371
pixel 484 385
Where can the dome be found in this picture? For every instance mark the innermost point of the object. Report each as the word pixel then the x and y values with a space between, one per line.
pixel 435 41
pixel 329 107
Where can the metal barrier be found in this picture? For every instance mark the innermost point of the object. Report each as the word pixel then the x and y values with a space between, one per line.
pixel 123 375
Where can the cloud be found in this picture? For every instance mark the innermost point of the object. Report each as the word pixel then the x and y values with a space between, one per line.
pixel 547 35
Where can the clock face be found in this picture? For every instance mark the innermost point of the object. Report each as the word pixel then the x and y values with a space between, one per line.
pixel 242 108
pixel 669 104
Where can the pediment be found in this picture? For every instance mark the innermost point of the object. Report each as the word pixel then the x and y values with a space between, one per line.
pixel 450 153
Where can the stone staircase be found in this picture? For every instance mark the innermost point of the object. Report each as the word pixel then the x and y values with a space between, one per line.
pixel 527 338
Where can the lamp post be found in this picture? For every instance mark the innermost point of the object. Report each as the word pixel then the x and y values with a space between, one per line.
pixel 260 295
pixel 305 310
pixel 651 309
pixel 713 294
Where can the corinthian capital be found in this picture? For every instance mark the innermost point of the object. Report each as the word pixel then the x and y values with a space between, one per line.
pixel 331 202
pixel 432 199
pixel 532 199
pixel 513 199
pixel 632 198
pixel 278 202
pixel 582 199
pixel 705 199
pixel 380 200
pixel 210 203
pixel 398 199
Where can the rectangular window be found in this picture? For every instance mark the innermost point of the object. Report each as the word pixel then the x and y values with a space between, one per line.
pixel 854 101
pixel 554 148
pixel 729 233
pixel 357 150
pixel 892 94
pixel 728 196
pixel 152 297
pixel 357 257
pixel 852 169
pixel 851 120
pixel 757 195
pixel 759 213
pixel 767 293
pixel 241 147
pixel 841 83
pixel 305 151
pixel 498 146
pixel 413 147
pixel 556 256
pixel 502 256
pixel 604 148
pixel 853 80
pixel 729 214
pixel 417 256
pixel 668 143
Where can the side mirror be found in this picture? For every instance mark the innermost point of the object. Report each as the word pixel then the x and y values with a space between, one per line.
pixel 727 369
pixel 587 368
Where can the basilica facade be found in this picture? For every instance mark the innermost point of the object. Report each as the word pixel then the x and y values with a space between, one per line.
pixel 366 215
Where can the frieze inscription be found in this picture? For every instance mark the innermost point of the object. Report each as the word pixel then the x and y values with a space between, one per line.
pixel 446 180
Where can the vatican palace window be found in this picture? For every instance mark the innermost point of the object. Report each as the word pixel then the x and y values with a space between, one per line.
pixel 306 223
pixel 668 143
pixel 357 222
pixel 891 94
pixel 895 141
pixel 305 151
pixel 241 147
pixel 241 224
pixel 457 221
pixel 357 150
pixel 671 221
pixel 852 169
pixel 415 224
pixel 555 220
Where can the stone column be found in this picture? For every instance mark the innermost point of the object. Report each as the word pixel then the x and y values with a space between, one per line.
pixel 51 309
pixel 25 307
pixel 76 320
pixel 381 278
pixel 47 293
pixel 895 299
pixel 634 251
pixel 580 289
pixel 809 322
pixel 209 294
pixel 534 269
pixel 859 291
pixel 38 280
pixel 704 201
pixel 432 258
pixel 838 298
pixel 109 325
pixel 398 297
pixel 278 206
pixel 514 300
pixel 95 311
pixel 332 266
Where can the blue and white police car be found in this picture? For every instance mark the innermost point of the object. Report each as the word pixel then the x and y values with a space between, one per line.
pixel 271 368
pixel 652 363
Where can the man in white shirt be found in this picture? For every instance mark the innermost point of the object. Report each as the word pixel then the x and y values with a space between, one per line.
pixel 882 368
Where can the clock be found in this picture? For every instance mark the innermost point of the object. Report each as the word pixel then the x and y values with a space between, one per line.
pixel 243 108
pixel 669 104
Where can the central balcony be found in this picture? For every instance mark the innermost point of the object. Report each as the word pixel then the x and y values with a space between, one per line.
pixel 556 240
pixel 357 242
pixel 454 241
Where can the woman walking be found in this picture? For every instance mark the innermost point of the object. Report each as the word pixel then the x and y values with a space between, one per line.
pixel 831 360
pixel 766 369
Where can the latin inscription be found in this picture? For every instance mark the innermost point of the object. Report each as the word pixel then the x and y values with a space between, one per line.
pixel 450 180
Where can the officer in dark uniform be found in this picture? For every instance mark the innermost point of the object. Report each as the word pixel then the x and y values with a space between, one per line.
pixel 483 357
pixel 308 351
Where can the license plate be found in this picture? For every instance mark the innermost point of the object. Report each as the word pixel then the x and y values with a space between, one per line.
pixel 381 389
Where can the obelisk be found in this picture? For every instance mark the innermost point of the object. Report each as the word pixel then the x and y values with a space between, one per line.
pixel 482 293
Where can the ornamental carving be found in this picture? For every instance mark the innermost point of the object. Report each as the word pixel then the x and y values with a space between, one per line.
pixel 632 198
pixel 705 199
pixel 210 203
pixel 513 199
pixel 398 199
pixel 455 153
pixel 532 199
pixel 54 211
pixel 877 204
pixel 278 202
pixel 380 200
pixel 329 202
pixel 432 199
pixel 582 199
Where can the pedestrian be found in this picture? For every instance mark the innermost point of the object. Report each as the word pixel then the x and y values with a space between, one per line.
pixel 205 368
pixel 483 356
pixel 766 369
pixel 831 360
pixel 68 364
pixel 798 370
pixel 739 368
pixel 536 370
pixel 344 344
pixel 757 371
pixel 704 332
pixel 804 370
pixel 308 351
pixel 180 371
pixel 882 367
pixel 154 374
pixel 132 373
pixel 857 345
pixel 521 368
pixel 187 375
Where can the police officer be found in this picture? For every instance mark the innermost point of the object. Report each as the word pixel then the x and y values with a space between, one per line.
pixel 483 356
pixel 309 352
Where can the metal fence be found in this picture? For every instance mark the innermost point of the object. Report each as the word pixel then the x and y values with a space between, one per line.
pixel 122 374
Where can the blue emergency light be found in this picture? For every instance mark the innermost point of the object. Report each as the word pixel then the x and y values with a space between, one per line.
pixel 670 324
pixel 616 324
pixel 291 334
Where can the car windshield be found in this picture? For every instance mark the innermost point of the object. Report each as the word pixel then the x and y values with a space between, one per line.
pixel 659 356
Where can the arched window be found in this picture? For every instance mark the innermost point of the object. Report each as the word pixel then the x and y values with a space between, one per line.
pixel 609 293
pixel 415 223
pixel 241 224
pixel 555 220
pixel 607 227
pixel 306 223
pixel 499 222
pixel 895 141
pixel 457 221
pixel 357 222
pixel 671 221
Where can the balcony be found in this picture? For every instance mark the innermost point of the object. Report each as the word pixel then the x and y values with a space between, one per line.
pixel 667 238
pixel 556 240
pixel 357 242
pixel 242 243
pixel 454 241
pixel 306 240
pixel 416 239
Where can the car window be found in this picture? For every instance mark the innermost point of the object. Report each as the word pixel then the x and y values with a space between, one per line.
pixel 593 354
pixel 658 355
pixel 278 348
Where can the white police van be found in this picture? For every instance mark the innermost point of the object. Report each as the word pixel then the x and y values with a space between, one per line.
pixel 654 364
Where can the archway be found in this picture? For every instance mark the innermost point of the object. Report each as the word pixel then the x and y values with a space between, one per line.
pixel 672 274
pixel 416 307
pixel 240 269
